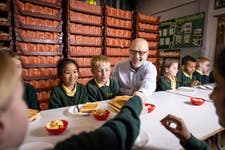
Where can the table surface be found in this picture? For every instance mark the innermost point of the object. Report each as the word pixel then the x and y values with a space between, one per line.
pixel 202 121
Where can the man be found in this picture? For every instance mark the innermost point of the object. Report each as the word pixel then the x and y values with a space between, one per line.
pixel 136 74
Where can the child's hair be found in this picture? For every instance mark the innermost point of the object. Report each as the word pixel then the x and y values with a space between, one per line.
pixel 96 60
pixel 201 60
pixel 62 63
pixel 167 64
pixel 8 79
pixel 10 53
pixel 186 59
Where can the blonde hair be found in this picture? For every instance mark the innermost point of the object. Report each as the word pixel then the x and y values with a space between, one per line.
pixel 9 76
pixel 201 60
pixel 96 60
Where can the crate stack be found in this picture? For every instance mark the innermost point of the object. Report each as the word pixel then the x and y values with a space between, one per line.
pixel 38 35
pixel 84 35
pixel 147 27
pixel 117 33
pixel 5 26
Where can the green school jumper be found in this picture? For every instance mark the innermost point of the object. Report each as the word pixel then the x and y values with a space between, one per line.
pixel 204 79
pixel 165 84
pixel 184 80
pixel 59 98
pixel 30 96
pixel 96 93
pixel 195 144
pixel 118 133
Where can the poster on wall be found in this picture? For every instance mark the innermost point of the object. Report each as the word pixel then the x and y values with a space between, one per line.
pixel 184 32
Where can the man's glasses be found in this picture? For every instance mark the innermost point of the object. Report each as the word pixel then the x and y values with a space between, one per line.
pixel 141 53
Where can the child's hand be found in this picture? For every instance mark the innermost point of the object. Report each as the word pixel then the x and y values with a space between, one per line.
pixel 196 82
pixel 177 127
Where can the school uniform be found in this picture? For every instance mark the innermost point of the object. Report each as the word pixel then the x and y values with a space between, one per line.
pixel 194 143
pixel 30 96
pixel 167 84
pixel 118 133
pixel 185 79
pixel 99 92
pixel 204 79
pixel 62 97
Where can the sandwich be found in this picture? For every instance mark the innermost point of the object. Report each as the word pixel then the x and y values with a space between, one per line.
pixel 89 107
pixel 118 102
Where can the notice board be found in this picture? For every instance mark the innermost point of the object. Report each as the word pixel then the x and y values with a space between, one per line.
pixel 184 32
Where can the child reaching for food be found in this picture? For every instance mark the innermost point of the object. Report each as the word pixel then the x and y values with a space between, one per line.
pixel 101 87
pixel 202 70
pixel 168 80
pixel 69 92
pixel 185 76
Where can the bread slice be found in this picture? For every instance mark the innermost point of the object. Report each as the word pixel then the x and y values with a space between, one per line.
pixel 33 114
pixel 118 102
pixel 89 107
pixel 122 98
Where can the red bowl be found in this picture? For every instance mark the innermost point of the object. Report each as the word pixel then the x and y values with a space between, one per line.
pixel 57 131
pixel 197 101
pixel 101 114
pixel 150 107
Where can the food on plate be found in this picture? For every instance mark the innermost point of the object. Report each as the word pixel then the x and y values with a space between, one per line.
pixel 118 102
pixel 89 107
pixel 150 107
pixel 56 124
pixel 33 114
pixel 122 98
pixel 101 114
pixel 56 127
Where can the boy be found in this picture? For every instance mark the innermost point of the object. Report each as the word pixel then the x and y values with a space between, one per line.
pixel 101 87
pixel 202 70
pixel 185 76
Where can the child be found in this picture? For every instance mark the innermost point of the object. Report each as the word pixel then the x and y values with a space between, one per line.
pixel 168 79
pixel 101 87
pixel 202 70
pixel 30 94
pixel 185 76
pixel 69 92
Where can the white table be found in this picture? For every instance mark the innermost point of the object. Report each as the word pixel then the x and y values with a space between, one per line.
pixel 201 120
pixel 197 92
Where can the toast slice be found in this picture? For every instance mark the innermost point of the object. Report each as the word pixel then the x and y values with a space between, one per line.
pixel 118 102
pixel 89 107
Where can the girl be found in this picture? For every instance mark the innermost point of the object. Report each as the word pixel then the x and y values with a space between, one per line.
pixel 69 92
pixel 168 79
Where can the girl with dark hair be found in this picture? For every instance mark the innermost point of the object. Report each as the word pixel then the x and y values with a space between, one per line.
pixel 69 92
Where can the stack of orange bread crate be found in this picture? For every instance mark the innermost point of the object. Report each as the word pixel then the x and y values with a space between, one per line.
pixel 84 35
pixel 118 34
pixel 38 32
pixel 147 27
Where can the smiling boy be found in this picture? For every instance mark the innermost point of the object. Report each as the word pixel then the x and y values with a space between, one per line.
pixel 101 87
